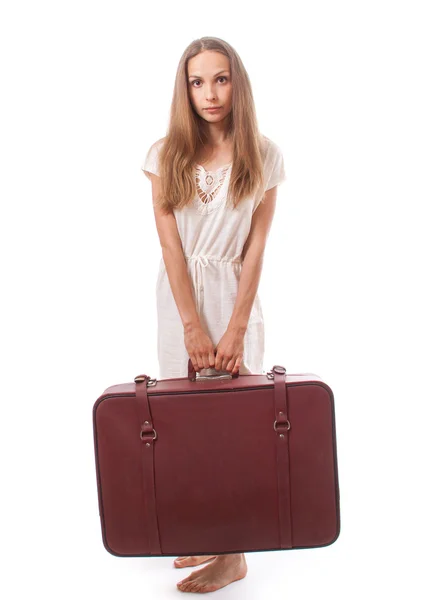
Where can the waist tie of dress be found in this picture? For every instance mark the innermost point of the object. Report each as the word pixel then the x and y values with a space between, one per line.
pixel 200 261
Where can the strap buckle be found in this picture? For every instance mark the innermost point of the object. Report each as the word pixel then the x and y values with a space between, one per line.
pixel 282 423
pixel 146 378
pixel 279 369
pixel 142 432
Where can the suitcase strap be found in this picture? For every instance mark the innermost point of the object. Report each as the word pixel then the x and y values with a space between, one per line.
pixel 282 426
pixel 148 436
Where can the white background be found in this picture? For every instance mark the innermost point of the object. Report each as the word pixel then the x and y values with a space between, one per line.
pixel 344 89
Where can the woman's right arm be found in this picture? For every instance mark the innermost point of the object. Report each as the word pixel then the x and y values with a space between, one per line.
pixel 198 344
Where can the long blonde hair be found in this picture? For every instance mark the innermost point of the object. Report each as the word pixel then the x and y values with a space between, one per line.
pixel 186 135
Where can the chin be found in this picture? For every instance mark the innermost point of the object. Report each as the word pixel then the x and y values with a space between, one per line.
pixel 220 114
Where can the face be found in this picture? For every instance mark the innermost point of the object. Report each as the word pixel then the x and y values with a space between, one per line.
pixel 210 84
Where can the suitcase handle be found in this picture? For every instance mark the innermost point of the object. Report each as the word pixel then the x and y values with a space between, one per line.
pixel 194 376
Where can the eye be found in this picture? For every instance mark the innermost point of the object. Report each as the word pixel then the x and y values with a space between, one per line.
pixel 195 80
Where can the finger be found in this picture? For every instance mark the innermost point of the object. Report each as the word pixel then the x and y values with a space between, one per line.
pixel 211 358
pixel 194 362
pixel 226 361
pixel 230 365
pixel 203 356
pixel 205 361
pixel 237 366
pixel 217 361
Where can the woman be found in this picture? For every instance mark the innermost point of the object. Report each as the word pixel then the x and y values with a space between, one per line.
pixel 214 183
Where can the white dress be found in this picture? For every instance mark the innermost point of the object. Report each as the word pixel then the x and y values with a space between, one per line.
pixel 212 235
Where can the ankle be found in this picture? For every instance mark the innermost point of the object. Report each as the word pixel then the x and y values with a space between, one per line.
pixel 230 557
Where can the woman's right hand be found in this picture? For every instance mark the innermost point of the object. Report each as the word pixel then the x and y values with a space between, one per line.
pixel 199 347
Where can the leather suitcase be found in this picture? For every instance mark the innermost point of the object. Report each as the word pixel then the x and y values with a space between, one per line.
pixel 217 464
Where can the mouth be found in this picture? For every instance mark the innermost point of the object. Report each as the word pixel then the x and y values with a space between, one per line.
pixel 213 108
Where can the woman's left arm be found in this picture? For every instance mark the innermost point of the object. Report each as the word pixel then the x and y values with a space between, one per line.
pixel 253 253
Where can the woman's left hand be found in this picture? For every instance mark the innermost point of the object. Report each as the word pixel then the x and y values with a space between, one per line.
pixel 230 351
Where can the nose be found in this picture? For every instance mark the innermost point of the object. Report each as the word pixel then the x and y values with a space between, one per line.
pixel 210 94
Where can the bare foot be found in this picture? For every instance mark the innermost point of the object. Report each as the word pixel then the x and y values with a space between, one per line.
pixel 225 569
pixel 191 561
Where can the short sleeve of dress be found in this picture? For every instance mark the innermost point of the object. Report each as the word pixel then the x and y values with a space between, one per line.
pixel 274 172
pixel 151 162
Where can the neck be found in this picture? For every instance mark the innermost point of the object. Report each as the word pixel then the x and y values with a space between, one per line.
pixel 217 134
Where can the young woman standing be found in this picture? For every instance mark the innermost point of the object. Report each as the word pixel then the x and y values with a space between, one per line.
pixel 214 184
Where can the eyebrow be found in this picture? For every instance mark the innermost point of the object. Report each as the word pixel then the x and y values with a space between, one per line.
pixel 224 71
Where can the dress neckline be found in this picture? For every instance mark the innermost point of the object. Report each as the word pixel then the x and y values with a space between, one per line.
pixel 215 170
pixel 210 188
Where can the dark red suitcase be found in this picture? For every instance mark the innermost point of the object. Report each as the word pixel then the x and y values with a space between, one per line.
pixel 216 465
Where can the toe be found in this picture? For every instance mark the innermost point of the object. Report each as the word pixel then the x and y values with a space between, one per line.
pixel 187 586
pixel 179 562
pixel 185 583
